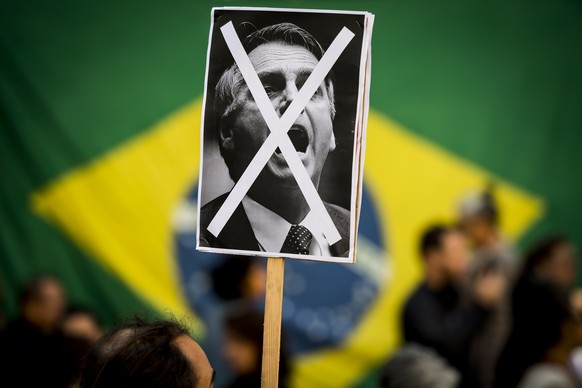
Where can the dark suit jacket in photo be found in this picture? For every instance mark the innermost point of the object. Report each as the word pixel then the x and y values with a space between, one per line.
pixel 238 233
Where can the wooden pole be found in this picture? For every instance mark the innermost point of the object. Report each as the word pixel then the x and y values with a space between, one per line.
pixel 272 328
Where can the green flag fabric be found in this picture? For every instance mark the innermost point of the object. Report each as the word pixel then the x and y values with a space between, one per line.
pixel 100 113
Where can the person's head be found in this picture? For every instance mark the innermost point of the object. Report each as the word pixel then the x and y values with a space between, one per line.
pixel 244 341
pixel 79 330
pixel 419 367
pixel 239 277
pixel 243 347
pixel 283 55
pixel 147 354
pixel 553 259
pixel 479 217
pixel 43 302
pixel 445 253
pixel 81 323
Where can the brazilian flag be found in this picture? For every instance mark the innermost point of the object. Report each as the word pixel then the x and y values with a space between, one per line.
pixel 100 109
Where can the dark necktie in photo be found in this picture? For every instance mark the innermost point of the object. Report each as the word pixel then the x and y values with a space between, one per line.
pixel 297 241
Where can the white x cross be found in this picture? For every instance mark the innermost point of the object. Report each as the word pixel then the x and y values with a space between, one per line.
pixel 279 128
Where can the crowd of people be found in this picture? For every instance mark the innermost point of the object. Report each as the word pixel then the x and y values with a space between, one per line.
pixel 483 315
pixel 45 344
pixel 53 343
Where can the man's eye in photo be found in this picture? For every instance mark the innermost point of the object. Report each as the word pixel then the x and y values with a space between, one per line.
pixel 271 91
pixel 318 93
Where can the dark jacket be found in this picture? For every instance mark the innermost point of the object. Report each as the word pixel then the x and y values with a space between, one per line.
pixel 238 233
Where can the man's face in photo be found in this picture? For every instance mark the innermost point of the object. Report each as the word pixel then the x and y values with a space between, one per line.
pixel 282 69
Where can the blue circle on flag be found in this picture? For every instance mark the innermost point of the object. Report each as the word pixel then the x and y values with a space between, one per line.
pixel 322 302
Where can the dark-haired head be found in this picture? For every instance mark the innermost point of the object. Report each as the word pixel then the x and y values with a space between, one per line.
pixel 552 258
pixel 81 322
pixel 432 238
pixel 34 287
pixel 445 252
pixel 147 354
pixel 43 301
pixel 238 277
pixel 244 346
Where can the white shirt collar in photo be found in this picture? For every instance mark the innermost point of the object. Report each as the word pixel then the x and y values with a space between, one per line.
pixel 271 229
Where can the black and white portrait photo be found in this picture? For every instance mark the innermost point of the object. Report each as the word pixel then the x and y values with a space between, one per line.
pixel 280 160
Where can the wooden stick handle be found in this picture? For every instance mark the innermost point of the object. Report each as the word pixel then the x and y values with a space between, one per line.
pixel 272 328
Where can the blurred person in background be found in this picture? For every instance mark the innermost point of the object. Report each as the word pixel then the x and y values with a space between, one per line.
pixel 239 277
pixel 416 366
pixel 79 330
pixel 489 339
pixel 30 345
pixel 556 368
pixel 81 322
pixel 147 354
pixel 437 314
pixel 491 253
pixel 541 301
pixel 237 281
pixel 243 349
pixel 478 217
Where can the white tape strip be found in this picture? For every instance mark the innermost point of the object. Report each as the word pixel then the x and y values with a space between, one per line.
pixel 279 128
